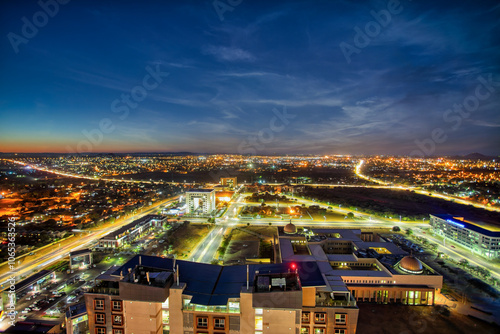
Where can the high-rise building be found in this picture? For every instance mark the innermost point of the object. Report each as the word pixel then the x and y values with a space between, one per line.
pixel 151 294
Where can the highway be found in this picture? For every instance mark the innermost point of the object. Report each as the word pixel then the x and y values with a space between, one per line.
pixel 422 192
pixel 39 263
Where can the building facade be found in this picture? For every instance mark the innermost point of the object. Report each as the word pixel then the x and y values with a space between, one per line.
pixel 200 201
pixel 151 294
pixel 129 232
pixel 230 182
pixel 479 239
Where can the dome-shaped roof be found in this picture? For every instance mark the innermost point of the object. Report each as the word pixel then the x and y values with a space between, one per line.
pixel 411 265
pixel 290 228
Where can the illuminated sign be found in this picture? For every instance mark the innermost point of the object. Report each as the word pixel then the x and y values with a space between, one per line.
pixel 455 223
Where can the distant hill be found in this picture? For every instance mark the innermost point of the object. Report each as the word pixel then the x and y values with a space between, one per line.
pixel 474 156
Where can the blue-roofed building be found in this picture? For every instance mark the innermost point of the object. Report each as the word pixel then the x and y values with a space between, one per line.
pixel 151 294
pixel 480 238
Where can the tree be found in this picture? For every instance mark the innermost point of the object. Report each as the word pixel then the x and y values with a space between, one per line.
pixel 464 263
pixel 409 232
pixel 350 215
pixel 396 229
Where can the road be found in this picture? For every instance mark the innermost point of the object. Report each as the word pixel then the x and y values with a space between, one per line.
pixel 38 263
pixel 458 252
pixel 422 192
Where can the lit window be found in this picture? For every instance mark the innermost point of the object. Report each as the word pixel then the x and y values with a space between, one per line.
pixel 259 311
pixel 117 320
pixel 304 330
pixel 219 323
pixel 100 318
pixel 340 318
pixel 258 323
pixel 306 317
pixel 117 331
pixel 320 318
pixel 319 330
pixel 202 322
pixel 99 304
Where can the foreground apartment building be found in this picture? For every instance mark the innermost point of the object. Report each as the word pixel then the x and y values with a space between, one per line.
pixel 313 290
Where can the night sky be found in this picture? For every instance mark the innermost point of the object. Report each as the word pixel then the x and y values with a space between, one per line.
pixel 253 77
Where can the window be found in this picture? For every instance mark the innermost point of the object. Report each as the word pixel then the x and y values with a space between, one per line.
pixel 99 304
pixel 340 318
pixel 304 330
pixel 116 305
pixel 219 323
pixel 340 331
pixel 117 331
pixel 319 330
pixel 259 323
pixel 319 318
pixel 100 318
pixel 202 322
pixel 100 330
pixel 117 320
pixel 306 317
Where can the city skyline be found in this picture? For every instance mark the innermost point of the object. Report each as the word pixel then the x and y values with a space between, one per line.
pixel 374 77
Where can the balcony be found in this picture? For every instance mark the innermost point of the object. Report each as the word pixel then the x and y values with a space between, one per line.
pixel 331 299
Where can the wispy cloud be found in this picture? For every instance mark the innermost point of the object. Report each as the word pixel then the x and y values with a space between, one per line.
pixel 224 53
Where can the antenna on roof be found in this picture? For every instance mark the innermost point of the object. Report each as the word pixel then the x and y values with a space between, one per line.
pixel 177 275
pixel 248 275
pixel 140 260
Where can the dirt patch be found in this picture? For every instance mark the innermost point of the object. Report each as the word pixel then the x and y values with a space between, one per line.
pixel 240 250
pixel 402 319
pixel 186 237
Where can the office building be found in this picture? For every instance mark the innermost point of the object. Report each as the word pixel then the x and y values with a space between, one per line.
pixel 480 238
pixel 200 201
pixel 129 232
pixel 230 182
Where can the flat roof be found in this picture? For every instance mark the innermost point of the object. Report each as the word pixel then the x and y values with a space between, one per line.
pixel 213 284
pixel 80 252
pixel 142 220
pixel 32 279
pixel 486 229
pixel 200 190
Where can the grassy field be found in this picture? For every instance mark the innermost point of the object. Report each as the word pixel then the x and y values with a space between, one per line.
pixel 186 237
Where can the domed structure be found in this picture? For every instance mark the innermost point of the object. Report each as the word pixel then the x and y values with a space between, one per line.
pixel 290 228
pixel 411 265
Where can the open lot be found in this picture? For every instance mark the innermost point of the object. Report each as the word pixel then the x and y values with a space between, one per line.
pixel 186 237
pixel 403 319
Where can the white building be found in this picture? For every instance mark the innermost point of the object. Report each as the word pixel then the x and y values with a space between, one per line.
pixel 201 201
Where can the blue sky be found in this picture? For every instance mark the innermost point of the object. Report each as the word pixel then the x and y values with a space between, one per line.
pixel 225 77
